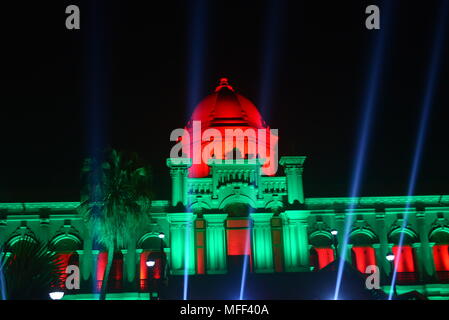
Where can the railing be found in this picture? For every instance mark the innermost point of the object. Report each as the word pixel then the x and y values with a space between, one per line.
pixel 114 285
pixel 200 186
pixel 443 276
pixel 274 184
pixel 407 277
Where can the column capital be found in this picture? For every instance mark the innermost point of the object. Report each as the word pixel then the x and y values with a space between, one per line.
pixel 214 219
pixel 183 163
pixel 292 162
pixel 295 215
pixel 416 245
pixel 261 218
pixel 180 217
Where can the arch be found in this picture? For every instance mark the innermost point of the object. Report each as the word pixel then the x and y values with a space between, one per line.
pixel 12 242
pixel 321 239
pixel 150 241
pixel 362 237
pixel 237 198
pixel 198 206
pixel 276 206
pixel 410 236
pixel 439 235
pixel 151 246
pixel 66 242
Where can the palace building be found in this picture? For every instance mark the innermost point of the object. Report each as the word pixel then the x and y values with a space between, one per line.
pixel 224 212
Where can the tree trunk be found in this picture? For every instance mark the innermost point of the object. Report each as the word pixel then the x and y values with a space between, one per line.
pixel 107 272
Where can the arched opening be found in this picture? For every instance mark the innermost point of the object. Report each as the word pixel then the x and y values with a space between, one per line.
pixel 440 237
pixel 362 252
pixel 152 247
pixel 322 251
pixel 405 259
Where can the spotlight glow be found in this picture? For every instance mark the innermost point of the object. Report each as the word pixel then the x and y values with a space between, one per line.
pixel 245 266
pixel 390 257
pixel 186 262
pixel 56 295
pixel 150 263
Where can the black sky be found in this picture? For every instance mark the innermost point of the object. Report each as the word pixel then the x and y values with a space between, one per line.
pixel 134 56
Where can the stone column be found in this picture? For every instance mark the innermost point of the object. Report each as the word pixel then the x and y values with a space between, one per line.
pixel 182 243
pixel 179 172
pixel 296 244
pixel 87 261
pixel 382 247
pixel 340 226
pixel 262 242
pixel 215 243
pixel 426 267
pixel 293 168
pixel 130 266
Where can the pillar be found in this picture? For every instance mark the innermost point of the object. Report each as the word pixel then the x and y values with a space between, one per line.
pixel 340 226
pixel 296 243
pixel 382 248
pixel 293 168
pixel 426 267
pixel 179 172
pixel 129 265
pixel 262 242
pixel 215 243
pixel 182 243
pixel 87 260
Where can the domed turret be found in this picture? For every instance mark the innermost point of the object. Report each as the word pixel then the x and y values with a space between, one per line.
pixel 227 112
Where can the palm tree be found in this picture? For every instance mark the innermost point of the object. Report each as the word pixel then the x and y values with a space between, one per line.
pixel 118 199
pixel 29 271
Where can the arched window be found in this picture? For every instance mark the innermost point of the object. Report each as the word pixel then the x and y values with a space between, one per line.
pixel 152 249
pixel 322 251
pixel 66 246
pixel 404 262
pixel 363 253
pixel 440 236
pixel 12 243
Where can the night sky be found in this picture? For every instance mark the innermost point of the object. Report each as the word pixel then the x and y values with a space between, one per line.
pixel 125 78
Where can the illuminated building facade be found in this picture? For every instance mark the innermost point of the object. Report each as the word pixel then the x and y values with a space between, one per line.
pixel 222 212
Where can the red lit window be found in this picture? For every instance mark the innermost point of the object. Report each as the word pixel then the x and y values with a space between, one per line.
pixel 116 273
pixel 200 246
pixel 239 243
pixel 405 264
pixel 441 259
pixel 362 257
pixel 276 235
pixel 321 257
pixel 66 259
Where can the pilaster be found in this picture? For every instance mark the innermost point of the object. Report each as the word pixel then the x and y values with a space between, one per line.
pixel 215 243
pixel 262 242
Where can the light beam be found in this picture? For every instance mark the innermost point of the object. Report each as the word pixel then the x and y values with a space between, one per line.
pixel 432 77
pixel 368 108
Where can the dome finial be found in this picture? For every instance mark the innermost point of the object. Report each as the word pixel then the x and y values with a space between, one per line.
pixel 224 83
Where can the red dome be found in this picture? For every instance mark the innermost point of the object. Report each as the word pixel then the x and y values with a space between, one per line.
pixel 222 110
pixel 225 106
